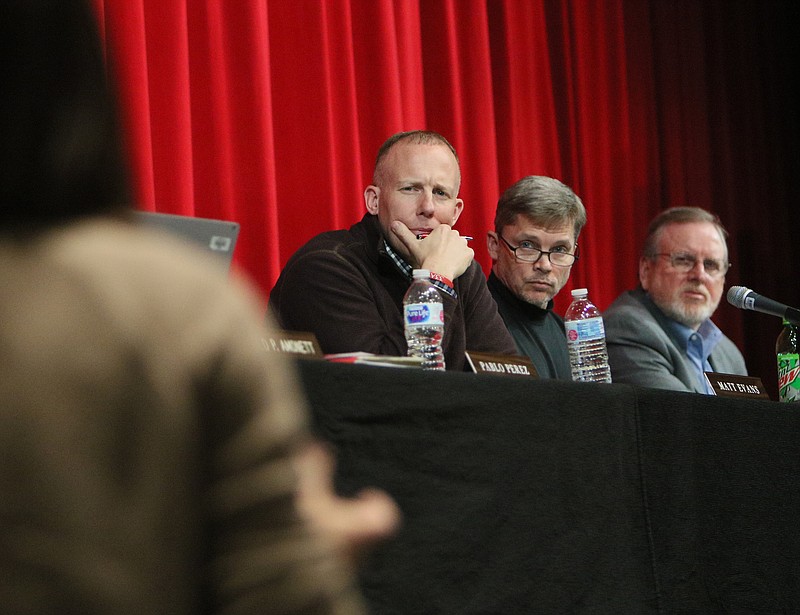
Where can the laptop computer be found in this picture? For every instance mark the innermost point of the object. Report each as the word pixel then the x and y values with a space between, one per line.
pixel 217 236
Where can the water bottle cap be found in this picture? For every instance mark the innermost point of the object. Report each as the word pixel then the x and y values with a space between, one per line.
pixel 421 273
pixel 580 292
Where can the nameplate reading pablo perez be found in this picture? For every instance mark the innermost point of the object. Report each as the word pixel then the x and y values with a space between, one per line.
pixel 511 365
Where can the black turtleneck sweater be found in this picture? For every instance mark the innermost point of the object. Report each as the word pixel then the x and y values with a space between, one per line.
pixel 538 333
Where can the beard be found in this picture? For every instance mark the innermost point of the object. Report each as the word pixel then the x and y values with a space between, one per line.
pixel 691 315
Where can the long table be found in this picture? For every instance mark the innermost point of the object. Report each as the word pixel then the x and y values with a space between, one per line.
pixel 538 496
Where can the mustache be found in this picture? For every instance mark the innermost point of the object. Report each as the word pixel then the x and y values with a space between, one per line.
pixel 697 288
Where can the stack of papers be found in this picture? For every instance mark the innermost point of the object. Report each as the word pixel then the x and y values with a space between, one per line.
pixel 367 358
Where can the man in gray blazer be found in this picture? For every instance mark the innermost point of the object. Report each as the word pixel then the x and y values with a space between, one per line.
pixel 661 334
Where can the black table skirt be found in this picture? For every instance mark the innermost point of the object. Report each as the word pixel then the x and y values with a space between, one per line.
pixel 537 496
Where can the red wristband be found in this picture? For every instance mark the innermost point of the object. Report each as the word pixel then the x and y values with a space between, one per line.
pixel 442 279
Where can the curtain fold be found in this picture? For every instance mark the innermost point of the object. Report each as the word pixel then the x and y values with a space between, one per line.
pixel 270 112
pixel 124 28
pixel 459 104
pixel 524 91
pixel 170 109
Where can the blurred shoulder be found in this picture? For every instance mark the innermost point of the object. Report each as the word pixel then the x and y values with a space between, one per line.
pixel 148 255
pixel 141 267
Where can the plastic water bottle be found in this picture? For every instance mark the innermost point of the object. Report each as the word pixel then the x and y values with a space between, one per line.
pixel 423 313
pixel 788 355
pixel 586 340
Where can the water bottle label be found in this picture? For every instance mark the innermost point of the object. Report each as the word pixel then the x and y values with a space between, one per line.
pixel 424 314
pixel 789 377
pixel 585 330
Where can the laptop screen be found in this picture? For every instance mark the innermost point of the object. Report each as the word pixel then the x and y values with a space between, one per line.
pixel 217 236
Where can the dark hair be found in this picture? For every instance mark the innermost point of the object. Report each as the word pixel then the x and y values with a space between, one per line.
pixel 679 215
pixel 544 200
pixel 417 137
pixel 61 155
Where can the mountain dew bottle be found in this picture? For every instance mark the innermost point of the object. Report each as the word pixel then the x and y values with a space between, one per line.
pixel 786 350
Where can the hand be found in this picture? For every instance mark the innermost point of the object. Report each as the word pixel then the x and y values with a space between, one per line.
pixel 351 524
pixel 444 251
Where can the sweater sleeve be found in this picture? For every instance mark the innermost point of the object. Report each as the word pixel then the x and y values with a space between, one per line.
pixel 345 306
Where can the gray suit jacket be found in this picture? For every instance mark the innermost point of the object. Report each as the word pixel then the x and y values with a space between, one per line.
pixel 641 349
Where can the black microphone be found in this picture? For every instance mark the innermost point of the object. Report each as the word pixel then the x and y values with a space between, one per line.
pixel 746 299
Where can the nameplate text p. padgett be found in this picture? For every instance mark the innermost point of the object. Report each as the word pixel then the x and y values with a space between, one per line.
pixel 300 343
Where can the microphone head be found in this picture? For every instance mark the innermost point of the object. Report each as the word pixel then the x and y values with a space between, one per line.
pixel 736 296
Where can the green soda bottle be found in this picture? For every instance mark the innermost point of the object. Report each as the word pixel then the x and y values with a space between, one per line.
pixel 786 350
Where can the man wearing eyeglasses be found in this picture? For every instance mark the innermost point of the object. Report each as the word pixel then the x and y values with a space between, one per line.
pixel 661 334
pixel 533 248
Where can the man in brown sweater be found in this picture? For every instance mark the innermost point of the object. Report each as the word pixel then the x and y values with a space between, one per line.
pixel 347 286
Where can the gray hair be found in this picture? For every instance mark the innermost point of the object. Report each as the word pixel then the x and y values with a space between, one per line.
pixel 679 215
pixel 544 200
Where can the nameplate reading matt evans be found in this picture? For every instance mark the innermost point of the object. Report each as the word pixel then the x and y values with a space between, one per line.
pixel 731 385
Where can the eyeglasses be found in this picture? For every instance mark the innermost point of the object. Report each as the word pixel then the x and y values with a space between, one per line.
pixel 527 253
pixel 684 263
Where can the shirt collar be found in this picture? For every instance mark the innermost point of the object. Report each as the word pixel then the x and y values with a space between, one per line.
pixel 698 346
pixel 406 269
pixel 708 335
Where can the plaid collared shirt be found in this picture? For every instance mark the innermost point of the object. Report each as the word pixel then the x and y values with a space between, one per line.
pixel 407 270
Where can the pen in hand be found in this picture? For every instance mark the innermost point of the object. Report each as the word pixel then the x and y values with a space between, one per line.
pixel 424 235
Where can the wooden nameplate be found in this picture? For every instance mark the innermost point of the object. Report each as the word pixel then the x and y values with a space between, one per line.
pixel 501 364
pixel 733 385
pixel 298 343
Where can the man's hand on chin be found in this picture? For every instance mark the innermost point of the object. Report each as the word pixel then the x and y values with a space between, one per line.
pixel 443 251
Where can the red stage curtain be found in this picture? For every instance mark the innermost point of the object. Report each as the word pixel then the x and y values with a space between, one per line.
pixel 270 112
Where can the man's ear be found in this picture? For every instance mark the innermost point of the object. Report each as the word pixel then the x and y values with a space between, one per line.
pixel 492 245
pixel 459 209
pixel 645 268
pixel 371 199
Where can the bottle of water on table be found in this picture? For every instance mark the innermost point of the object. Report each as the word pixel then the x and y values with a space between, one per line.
pixel 586 340
pixel 423 313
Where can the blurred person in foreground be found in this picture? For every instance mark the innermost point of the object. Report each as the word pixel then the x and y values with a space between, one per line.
pixel 347 286
pixel 153 458
pixel 661 335
pixel 533 248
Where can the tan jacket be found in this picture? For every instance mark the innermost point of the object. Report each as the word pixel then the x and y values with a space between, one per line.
pixel 144 437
